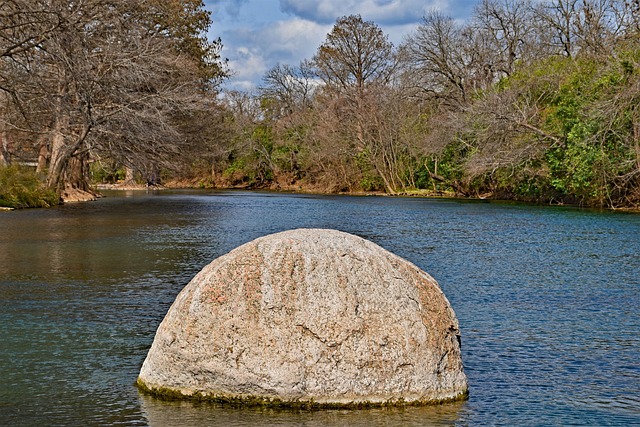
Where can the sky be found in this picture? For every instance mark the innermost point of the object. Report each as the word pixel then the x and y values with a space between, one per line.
pixel 258 34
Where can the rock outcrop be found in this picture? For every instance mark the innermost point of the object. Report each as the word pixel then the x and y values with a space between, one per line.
pixel 308 318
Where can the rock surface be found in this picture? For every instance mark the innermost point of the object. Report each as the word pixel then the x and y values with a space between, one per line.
pixel 309 317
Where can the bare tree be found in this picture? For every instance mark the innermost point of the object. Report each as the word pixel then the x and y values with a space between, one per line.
pixel 287 89
pixel 395 134
pixel 438 54
pixel 597 26
pixel 355 63
pixel 328 157
pixel 510 28
pixel 24 25
pixel 558 16
pixel 356 53
pixel 628 16
pixel 108 80
pixel 506 131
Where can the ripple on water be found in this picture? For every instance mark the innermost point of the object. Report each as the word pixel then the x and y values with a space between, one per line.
pixel 546 297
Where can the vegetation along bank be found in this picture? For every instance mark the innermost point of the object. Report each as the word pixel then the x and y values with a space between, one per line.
pixel 527 100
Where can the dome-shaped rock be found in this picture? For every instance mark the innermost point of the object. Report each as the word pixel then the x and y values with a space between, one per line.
pixel 308 317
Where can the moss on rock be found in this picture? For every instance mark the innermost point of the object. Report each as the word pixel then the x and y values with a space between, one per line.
pixel 167 394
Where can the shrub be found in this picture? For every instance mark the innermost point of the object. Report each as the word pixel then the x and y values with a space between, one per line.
pixel 20 187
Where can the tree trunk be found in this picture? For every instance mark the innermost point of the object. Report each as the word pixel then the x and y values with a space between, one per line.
pixel 129 176
pixel 4 149
pixel 636 138
pixel 59 158
pixel 43 155
pixel 66 176
pixel 454 184
pixel 76 180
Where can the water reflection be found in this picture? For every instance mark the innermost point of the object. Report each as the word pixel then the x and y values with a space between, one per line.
pixel 170 414
pixel 547 300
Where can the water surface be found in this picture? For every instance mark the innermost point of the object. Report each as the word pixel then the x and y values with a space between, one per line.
pixel 547 300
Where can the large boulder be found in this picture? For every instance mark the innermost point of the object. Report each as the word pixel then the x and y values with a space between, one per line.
pixel 308 318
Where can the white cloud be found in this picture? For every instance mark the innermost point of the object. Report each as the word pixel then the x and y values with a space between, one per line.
pixel 231 7
pixel 297 38
pixel 246 63
pixel 258 34
pixel 253 52
pixel 382 12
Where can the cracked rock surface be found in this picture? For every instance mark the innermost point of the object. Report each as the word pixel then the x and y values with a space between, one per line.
pixel 309 315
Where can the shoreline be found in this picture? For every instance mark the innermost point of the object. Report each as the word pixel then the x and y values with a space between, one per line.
pixel 417 193
pixel 298 189
pixel 279 189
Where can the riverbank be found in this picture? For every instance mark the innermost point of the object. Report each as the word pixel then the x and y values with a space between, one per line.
pixel 276 188
pixel 296 187
pixel 315 190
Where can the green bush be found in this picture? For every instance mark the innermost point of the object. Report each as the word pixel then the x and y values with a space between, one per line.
pixel 105 173
pixel 371 182
pixel 20 187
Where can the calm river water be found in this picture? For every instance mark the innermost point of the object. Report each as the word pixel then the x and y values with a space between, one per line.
pixel 547 300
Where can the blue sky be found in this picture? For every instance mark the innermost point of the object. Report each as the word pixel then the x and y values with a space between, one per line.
pixel 258 34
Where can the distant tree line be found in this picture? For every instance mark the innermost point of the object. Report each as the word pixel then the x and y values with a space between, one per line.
pixel 528 100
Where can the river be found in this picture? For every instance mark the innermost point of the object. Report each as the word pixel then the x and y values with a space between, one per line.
pixel 547 299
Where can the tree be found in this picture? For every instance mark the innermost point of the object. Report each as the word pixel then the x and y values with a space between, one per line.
pixel 511 32
pixel 186 23
pixel 597 26
pixel 356 63
pixel 287 89
pixel 24 25
pixel 109 79
pixel 438 54
pixel 628 16
pixel 558 16
pixel 355 54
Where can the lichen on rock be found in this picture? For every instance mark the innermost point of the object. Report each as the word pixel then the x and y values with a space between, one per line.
pixel 308 318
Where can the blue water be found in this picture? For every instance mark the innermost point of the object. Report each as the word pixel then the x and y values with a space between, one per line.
pixel 547 299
